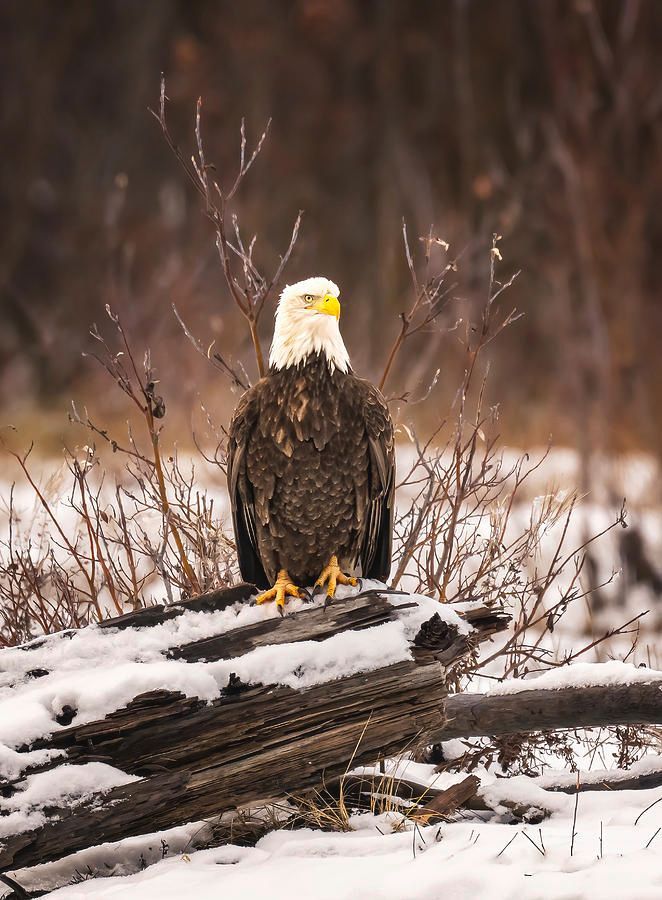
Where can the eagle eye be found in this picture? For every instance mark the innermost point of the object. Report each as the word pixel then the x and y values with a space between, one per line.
pixel 308 298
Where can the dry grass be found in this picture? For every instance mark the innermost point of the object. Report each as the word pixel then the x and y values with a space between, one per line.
pixel 382 794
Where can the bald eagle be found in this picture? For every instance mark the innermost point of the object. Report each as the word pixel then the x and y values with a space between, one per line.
pixel 311 465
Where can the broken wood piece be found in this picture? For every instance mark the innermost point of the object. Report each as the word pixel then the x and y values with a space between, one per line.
pixel 447 801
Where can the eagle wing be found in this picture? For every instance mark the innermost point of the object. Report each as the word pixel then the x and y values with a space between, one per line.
pixel 242 499
pixel 376 538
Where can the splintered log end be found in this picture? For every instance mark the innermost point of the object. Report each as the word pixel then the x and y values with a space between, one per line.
pixel 435 634
pixel 446 802
pixel 487 620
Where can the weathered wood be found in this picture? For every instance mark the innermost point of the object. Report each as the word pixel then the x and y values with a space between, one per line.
pixel 475 715
pixel 447 801
pixel 259 743
pixel 254 742
pixel 296 739
pixel 209 602
pixel 488 620
pixel 367 609
pixel 213 601
pixel 426 803
pixel 315 624
pixel 438 641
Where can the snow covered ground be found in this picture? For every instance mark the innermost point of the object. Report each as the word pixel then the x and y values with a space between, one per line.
pixel 599 844
pixel 615 854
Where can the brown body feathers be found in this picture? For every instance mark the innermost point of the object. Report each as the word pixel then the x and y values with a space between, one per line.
pixel 311 472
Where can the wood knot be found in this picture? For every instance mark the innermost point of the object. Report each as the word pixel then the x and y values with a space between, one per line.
pixel 234 686
pixel 67 715
pixel 435 634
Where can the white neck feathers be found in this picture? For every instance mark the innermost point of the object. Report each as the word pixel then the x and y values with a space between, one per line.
pixel 300 333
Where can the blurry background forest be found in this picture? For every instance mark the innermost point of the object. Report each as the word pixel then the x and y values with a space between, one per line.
pixel 541 121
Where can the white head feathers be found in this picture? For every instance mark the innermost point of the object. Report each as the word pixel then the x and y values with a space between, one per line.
pixel 303 327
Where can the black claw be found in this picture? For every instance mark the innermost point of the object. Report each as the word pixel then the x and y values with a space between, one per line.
pixel 281 610
pixel 307 596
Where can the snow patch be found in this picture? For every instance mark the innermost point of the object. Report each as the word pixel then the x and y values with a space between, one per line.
pixel 580 675
pixel 66 785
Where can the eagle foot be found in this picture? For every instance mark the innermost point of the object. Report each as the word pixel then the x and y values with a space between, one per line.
pixel 282 589
pixel 332 576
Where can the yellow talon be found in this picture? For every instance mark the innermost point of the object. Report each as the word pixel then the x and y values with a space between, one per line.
pixel 334 576
pixel 280 591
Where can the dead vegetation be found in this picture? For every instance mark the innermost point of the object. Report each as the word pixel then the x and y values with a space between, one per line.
pixel 136 523
pixel 110 542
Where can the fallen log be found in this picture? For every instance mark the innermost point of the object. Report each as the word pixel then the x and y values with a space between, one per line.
pixel 643 776
pixel 196 757
pixel 232 707
pixel 476 715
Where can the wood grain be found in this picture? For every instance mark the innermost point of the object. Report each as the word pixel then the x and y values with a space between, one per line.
pixel 202 759
pixel 475 715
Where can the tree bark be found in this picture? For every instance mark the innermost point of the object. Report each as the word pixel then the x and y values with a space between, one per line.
pixel 476 715
pixel 613 780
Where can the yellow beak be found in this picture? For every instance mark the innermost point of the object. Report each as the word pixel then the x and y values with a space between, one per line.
pixel 329 305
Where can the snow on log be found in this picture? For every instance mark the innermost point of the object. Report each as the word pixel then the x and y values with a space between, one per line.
pixel 178 713
pixel 643 775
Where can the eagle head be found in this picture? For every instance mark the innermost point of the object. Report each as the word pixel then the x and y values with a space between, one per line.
pixel 307 323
